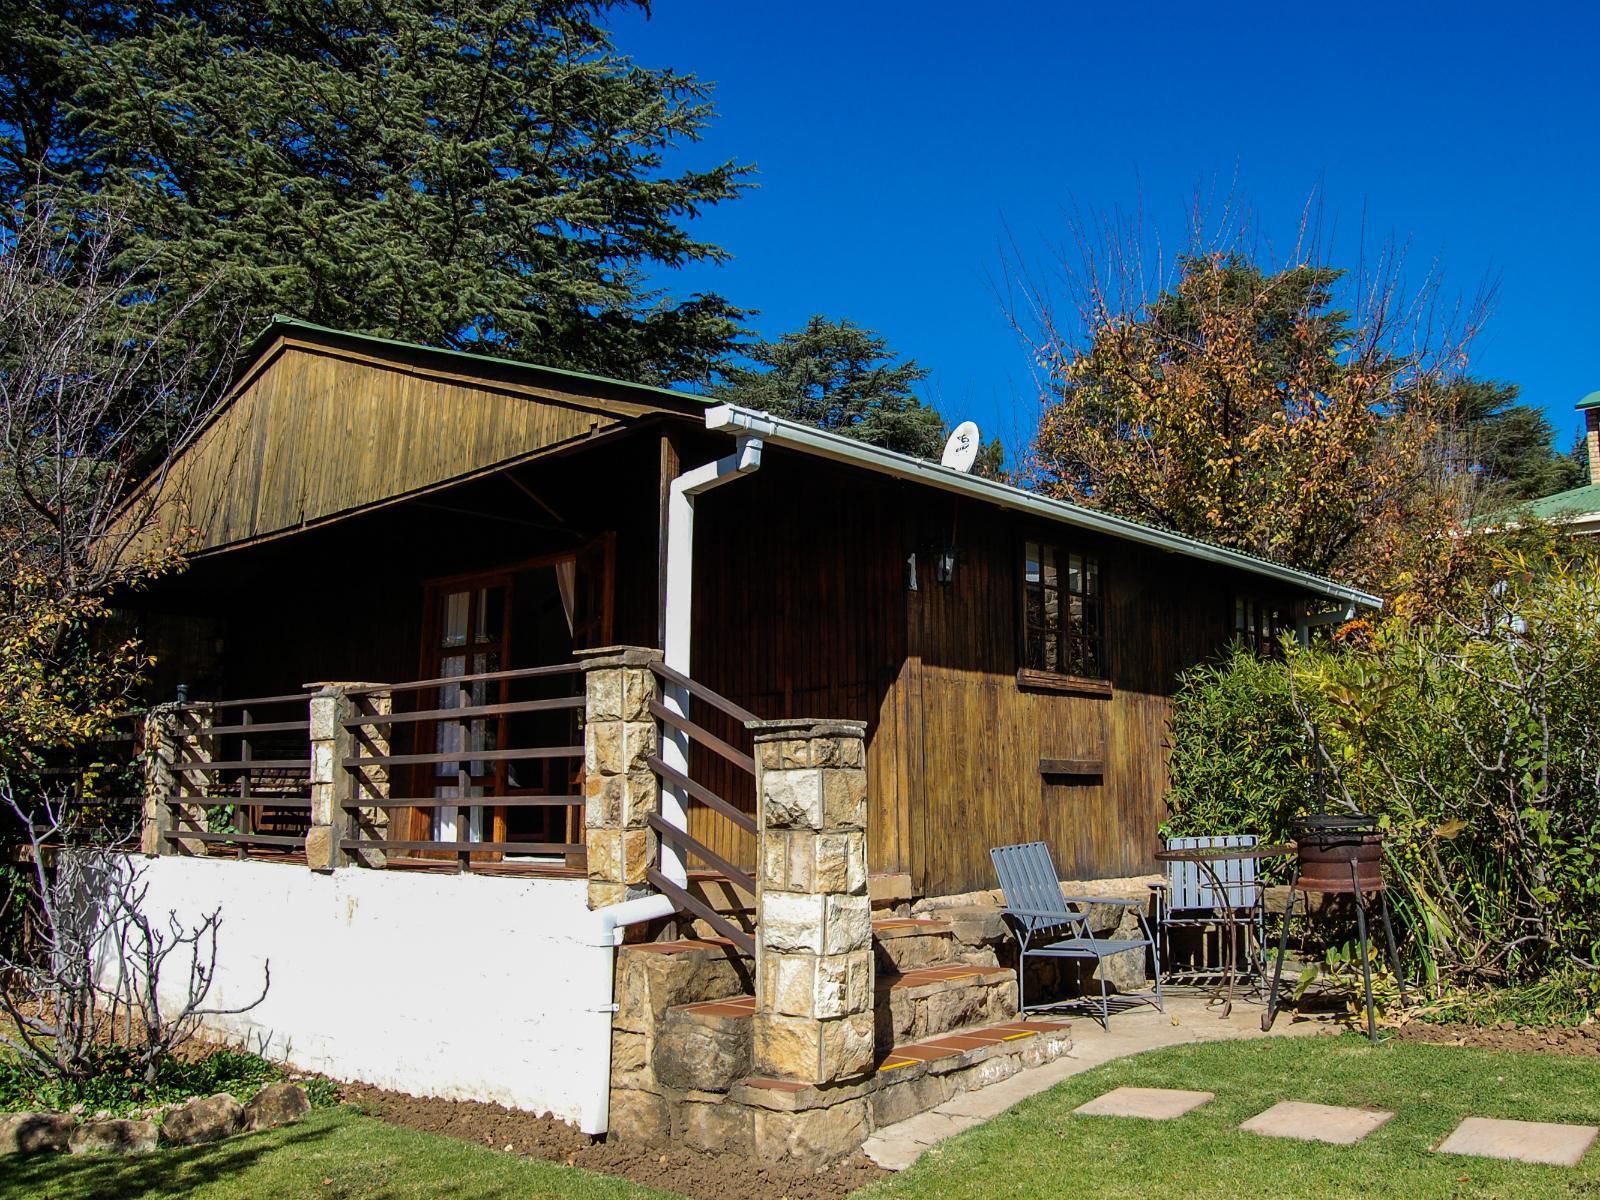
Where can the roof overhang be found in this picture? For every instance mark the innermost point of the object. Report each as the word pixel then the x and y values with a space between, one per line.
pixel 777 431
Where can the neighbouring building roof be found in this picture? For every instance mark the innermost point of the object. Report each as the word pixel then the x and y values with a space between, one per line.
pixel 1577 510
pixel 1592 400
pixel 1569 505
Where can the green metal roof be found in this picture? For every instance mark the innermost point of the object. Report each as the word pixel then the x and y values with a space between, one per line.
pixel 282 325
pixel 1575 503
pixel 1592 400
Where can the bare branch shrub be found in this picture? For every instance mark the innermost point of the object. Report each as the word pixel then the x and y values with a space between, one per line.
pixel 102 969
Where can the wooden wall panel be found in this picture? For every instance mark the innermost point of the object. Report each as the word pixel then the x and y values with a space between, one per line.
pixel 982 735
pixel 799 612
pixel 314 434
pixel 803 609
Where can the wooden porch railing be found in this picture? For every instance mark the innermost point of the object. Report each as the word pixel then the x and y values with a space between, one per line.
pixel 241 775
pixel 687 733
pixel 374 767
pixel 95 788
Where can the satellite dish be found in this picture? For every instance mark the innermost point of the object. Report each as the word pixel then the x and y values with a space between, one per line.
pixel 961 451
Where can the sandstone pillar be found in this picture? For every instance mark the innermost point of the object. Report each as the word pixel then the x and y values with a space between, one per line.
pixel 814 963
pixel 620 789
pixel 160 784
pixel 335 788
pixel 177 739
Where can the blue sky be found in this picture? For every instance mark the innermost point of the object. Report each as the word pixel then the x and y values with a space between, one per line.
pixel 899 145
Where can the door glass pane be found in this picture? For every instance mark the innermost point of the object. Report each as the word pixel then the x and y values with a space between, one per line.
pixel 453 631
pixel 491 614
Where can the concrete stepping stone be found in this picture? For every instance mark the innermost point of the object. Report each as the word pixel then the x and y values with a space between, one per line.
pixel 1524 1141
pixel 1328 1123
pixel 1152 1104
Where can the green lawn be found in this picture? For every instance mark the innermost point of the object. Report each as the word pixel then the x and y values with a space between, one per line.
pixel 1040 1149
pixel 335 1154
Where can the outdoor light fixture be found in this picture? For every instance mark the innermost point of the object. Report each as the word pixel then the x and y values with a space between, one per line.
pixel 944 567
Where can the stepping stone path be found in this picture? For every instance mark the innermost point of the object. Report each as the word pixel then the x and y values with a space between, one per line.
pixel 1152 1104
pixel 1316 1122
pixel 1524 1141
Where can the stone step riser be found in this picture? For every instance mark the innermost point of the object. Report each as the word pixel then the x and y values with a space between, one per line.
pixel 900 954
pixel 700 1048
pixel 907 1014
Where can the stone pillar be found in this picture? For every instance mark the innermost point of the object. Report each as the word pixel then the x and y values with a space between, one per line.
pixel 175 735
pixel 334 787
pixel 620 789
pixel 814 963
pixel 160 784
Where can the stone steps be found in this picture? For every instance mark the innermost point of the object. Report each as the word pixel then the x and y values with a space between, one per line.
pixel 905 943
pixel 943 998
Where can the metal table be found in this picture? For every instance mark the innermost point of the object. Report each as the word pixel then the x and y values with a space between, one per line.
pixel 1206 859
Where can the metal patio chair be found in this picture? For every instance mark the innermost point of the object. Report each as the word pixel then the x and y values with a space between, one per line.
pixel 1034 905
pixel 1191 897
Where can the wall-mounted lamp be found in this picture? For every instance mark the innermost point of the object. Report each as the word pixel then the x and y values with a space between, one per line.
pixel 944 567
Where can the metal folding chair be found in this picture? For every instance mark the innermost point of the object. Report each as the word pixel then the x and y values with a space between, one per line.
pixel 1034 906
pixel 1192 897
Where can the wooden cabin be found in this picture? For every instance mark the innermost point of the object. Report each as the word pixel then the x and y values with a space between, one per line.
pixel 358 509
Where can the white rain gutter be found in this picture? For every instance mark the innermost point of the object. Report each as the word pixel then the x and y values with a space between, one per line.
pixel 732 418
pixel 745 459
pixel 604 933
pixel 597 996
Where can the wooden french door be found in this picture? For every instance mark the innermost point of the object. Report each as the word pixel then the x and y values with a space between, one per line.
pixel 535 613
pixel 466 633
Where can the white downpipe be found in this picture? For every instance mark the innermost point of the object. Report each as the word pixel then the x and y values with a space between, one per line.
pixel 607 924
pixel 680 608
pixel 599 996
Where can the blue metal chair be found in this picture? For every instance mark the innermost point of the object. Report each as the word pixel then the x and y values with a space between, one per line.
pixel 1191 896
pixel 1034 905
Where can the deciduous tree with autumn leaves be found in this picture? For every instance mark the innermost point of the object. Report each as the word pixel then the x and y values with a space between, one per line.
pixel 1302 413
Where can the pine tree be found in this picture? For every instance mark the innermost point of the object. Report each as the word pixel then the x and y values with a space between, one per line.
pixel 1507 445
pixel 487 176
pixel 838 376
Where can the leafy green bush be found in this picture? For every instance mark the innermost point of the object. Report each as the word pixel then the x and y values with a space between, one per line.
pixel 118 1088
pixel 1240 758
pixel 1472 738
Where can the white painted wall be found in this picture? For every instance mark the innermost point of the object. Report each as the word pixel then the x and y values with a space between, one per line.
pixel 438 985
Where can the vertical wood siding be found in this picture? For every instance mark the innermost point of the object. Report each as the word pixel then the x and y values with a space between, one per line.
pixel 314 434
pixel 802 609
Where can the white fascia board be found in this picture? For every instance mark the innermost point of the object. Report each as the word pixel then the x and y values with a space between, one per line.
pixel 777 431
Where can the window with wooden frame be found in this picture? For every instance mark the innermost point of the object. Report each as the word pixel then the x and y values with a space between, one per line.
pixel 1258 624
pixel 1063 612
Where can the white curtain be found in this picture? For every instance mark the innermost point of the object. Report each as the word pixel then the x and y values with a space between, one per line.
pixel 567 585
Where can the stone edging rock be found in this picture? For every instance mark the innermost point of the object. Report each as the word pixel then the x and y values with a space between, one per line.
pixel 193 1123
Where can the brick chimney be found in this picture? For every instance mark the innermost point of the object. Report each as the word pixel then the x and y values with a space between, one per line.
pixel 1591 416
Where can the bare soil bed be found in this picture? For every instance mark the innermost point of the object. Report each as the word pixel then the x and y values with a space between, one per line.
pixel 1551 1039
pixel 671 1168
